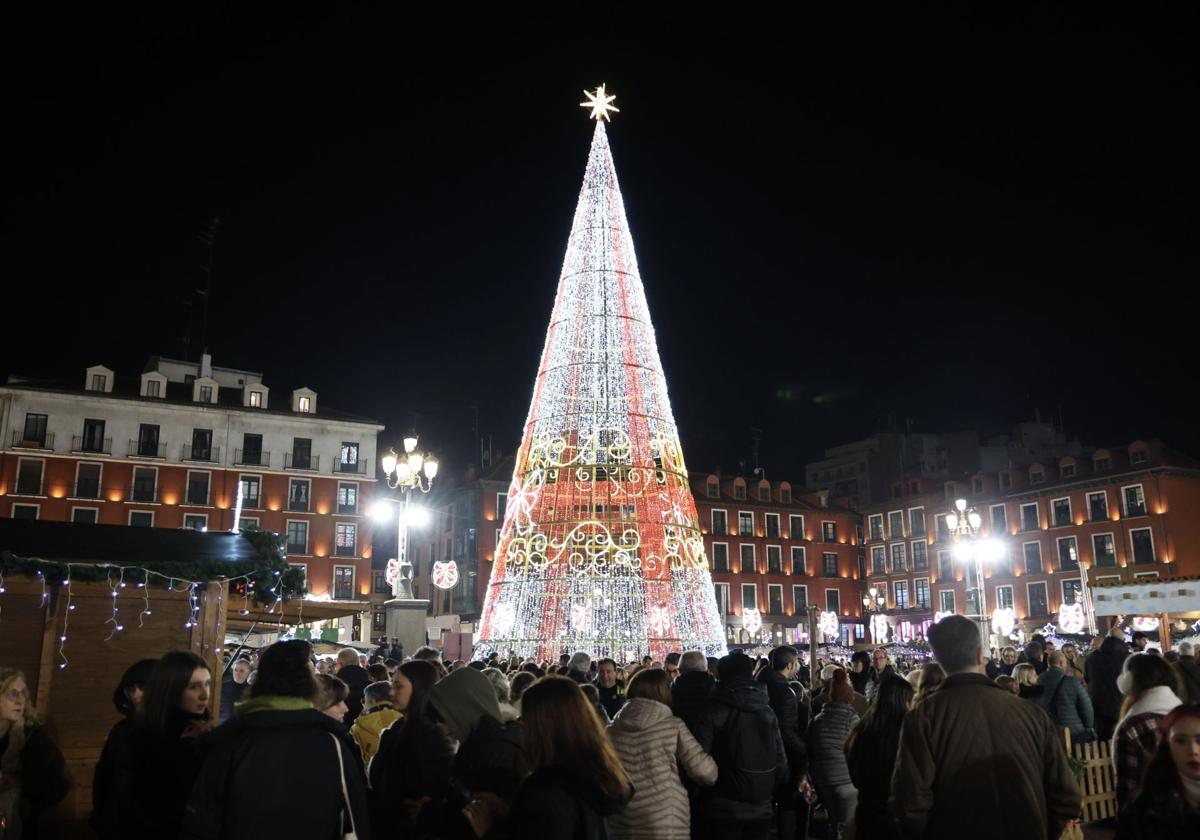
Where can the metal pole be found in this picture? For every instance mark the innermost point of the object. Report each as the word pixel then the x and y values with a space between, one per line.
pixel 401 544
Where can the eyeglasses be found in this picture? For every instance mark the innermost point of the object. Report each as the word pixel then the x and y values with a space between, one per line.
pixel 15 694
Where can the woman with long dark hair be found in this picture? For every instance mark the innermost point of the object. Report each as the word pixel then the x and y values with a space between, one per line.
pixel 128 697
pixel 1169 805
pixel 576 779
pixel 871 756
pixel 414 761
pixel 1151 687
pixel 164 756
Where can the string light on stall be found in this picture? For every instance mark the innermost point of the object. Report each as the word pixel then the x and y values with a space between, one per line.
pixel 144 585
pixel 62 640
pixel 114 620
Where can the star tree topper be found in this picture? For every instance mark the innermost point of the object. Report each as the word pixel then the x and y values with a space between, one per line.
pixel 600 103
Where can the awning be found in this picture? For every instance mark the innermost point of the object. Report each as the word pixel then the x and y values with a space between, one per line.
pixel 289 614
pixel 1151 597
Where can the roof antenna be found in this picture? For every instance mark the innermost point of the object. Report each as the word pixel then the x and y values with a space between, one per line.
pixel 209 238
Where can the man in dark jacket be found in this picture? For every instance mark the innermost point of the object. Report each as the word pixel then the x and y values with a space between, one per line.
pixel 1101 670
pixel 692 689
pixel 233 687
pixel 1066 701
pixel 356 678
pixel 782 665
pixel 1035 655
pixel 489 757
pixel 974 758
pixel 881 666
pixel 741 733
pixel 611 696
pixel 1189 673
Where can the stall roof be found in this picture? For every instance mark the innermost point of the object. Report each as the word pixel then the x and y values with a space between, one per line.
pixel 1151 597
pixel 121 544
pixel 289 613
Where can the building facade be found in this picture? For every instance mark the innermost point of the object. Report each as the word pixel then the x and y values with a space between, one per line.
pixel 776 550
pixel 189 445
pixel 1126 513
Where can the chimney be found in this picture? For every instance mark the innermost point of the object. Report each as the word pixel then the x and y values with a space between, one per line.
pixel 823 498
pixel 206 366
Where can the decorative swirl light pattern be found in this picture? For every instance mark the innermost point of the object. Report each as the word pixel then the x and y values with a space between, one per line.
pixel 599 511
pixel 1071 618
pixel 827 623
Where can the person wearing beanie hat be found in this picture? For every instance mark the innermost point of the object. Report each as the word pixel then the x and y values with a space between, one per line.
pixel 578 666
pixel 827 736
pixel 489 758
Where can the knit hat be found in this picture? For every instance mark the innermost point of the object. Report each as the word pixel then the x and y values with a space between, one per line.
pixel 734 666
pixel 841 691
pixel 580 661
pixel 462 699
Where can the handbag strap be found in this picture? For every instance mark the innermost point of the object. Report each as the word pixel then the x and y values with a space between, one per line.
pixel 342 773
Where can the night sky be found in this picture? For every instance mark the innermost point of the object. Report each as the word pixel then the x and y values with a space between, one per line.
pixel 841 223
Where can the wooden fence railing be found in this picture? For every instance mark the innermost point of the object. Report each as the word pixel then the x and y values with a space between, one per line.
pixel 1096 783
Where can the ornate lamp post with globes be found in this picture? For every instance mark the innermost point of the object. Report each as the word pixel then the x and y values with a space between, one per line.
pixel 964 524
pixel 413 471
pixel 874 605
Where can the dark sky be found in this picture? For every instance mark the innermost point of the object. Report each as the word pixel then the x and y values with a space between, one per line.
pixel 950 220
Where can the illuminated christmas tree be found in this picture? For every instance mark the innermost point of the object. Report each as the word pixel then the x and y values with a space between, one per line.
pixel 600 549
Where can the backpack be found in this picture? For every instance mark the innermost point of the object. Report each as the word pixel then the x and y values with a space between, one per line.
pixel 744 750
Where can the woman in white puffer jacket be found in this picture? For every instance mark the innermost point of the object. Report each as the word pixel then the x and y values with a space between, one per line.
pixel 653 745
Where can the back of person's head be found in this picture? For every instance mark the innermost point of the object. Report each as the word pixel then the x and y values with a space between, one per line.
pixel 782 657
pixel 712 665
pixel 1171 656
pixel 1025 674
pixel 650 684
pixel 346 657
pixel 827 673
pixel 533 668
pixel 427 654
pixel 377 692
pixel 932 675
pixel 1186 649
pixel 331 690
pixel 1142 672
pixel 862 657
pixel 1034 651
pixel 285 670
pixel 1007 682
pixel 893 696
pixel 561 727
pixel 693 660
pixel 477 664
pixel 591 692
pixel 1057 659
pixel 499 683
pixel 377 672
pixel 521 681
pixel 135 677
pixel 1139 636
pixel 956 644
pixel 579 661
pixel 171 674
pixel 461 700
pixel 735 666
pixel 840 690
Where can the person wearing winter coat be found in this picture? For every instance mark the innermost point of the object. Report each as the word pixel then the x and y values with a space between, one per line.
pixel 410 774
pixel 378 714
pixel 1101 670
pixel 577 782
pixel 1169 806
pixel 783 664
pixel 127 698
pixel 1150 686
pixel 860 667
pixel 871 754
pixel 741 733
pixel 166 751
pixel 1066 701
pixel 356 678
pixel 976 760
pixel 1189 673
pixel 827 736
pixel 692 689
pixel 233 686
pixel 489 757
pixel 612 695
pixel 279 749
pixel 1027 683
pixel 880 666
pixel 33 773
pixel 654 746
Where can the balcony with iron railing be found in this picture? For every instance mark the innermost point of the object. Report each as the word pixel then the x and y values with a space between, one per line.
pixel 90 445
pixel 203 455
pixel 147 449
pixel 301 461
pixel 144 493
pixel 45 442
pixel 251 458
pixel 359 468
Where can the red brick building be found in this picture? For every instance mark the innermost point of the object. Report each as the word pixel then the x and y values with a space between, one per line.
pixel 778 551
pixel 189 445
pixel 1125 513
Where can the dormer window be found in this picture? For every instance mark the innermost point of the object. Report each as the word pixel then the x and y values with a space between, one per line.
pixel 739 489
pixel 785 495
pixel 153 388
pixel 764 493
pixel 1102 464
pixel 714 490
pixel 977 485
pixel 304 405
pixel 256 399
pixel 1067 470
pixel 206 393
pixel 1137 456
pixel 1037 476
pixel 99 382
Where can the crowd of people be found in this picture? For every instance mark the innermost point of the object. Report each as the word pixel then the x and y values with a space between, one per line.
pixel 687 747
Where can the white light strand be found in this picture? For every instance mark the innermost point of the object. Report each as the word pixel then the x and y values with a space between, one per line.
pixel 113 619
pixel 62 640
pixel 144 585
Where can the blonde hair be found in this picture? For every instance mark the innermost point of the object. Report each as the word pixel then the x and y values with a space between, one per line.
pixel 8 676
pixel 1025 674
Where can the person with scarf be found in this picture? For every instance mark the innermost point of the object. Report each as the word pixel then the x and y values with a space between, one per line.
pixel 1169 806
pixel 33 774
pixel 1150 686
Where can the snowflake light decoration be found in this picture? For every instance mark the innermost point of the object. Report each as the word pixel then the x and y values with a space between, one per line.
pixel 827 623
pixel 751 621
pixel 1071 618
pixel 445 575
pixel 1003 621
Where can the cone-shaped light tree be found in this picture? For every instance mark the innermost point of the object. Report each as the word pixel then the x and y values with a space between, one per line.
pixel 600 549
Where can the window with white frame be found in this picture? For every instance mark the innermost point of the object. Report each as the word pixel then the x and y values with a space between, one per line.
pixel 1038 605
pixel 250 487
pixel 304 405
pixel 1068 553
pixel 1135 500
pixel 343 581
pixel 713 489
pixel 946 600
pixel 720 522
pixel 878 560
pixel 29 476
pixel 875 526
pixel 745 523
pixel 749 596
pixel 799 599
pixel 297 537
pixel 799 560
pixel 298 494
pixel 1061 512
pixel 1037 475
pixel 795 527
pixel 196 521
pixel 141 518
pixel 1033 557
pixel 774 560
pixel 900 594
pixel 247 522
pixel 945 565
pixel 775 598
pixel 1104 549
pixel 1072 591
pixel 921 593
pixel 720 553
pixel 764 493
pixel 85 515
pixel 772 524
pixel 1067 470
pixel 899 562
pixel 920 558
pixel 829 562
pixel 1004 597
pixel 895 524
pixel 747 556
pixel 197 487
pixel 721 590
pixel 20 511
pixel 1097 506
pixel 1029 517
pixel 999 519
pixel 916 521
pixel 347 497
pixel 833 601
pixel 346 539
pixel 829 531
pixel 1141 545
pixel 785 495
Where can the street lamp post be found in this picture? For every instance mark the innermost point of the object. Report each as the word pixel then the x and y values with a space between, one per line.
pixel 964 524
pixel 413 471
pixel 874 603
